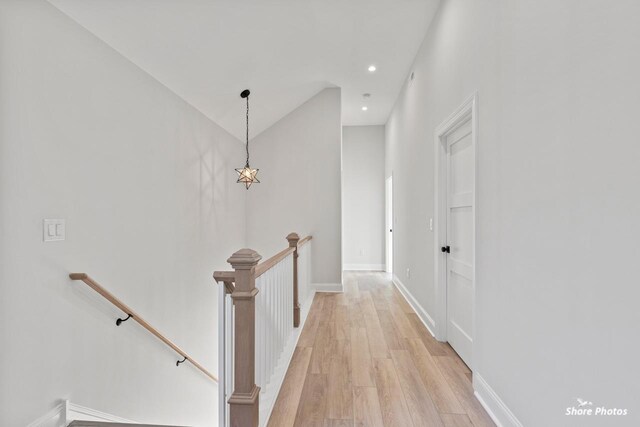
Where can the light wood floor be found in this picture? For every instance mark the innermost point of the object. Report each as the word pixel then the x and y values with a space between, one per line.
pixel 365 359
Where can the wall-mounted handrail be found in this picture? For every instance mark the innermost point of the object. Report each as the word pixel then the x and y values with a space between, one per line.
pixel 127 310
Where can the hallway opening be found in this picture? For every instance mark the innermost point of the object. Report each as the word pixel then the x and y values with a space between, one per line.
pixel 363 193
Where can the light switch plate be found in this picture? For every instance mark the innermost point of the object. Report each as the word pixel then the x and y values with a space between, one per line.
pixel 53 230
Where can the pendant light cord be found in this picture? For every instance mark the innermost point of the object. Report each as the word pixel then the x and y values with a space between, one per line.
pixel 247 145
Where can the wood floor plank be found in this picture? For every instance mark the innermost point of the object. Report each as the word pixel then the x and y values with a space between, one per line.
pixel 342 299
pixel 351 285
pixel 460 365
pixel 435 382
pixel 309 332
pixel 317 304
pixel 402 322
pixel 366 407
pixel 402 302
pixel 342 322
pixel 356 316
pixel 463 390
pixel 377 344
pixel 312 402
pixel 339 385
pixel 394 340
pixel 337 423
pixel 322 347
pixel 366 304
pixel 395 412
pixel 456 420
pixel 328 306
pixel 361 361
pixel 286 406
pixel 434 347
pixel 379 301
pixel 422 409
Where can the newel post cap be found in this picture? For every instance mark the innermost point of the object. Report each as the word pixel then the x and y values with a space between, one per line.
pixel 293 239
pixel 244 259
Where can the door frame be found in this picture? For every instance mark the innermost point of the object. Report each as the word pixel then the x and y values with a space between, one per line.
pixel 468 110
pixel 388 222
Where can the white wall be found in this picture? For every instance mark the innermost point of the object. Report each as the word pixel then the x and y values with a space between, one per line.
pixel 299 162
pixel 152 209
pixel 363 197
pixel 557 266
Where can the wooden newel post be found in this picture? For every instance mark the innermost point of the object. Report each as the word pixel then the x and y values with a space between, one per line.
pixel 243 403
pixel 293 243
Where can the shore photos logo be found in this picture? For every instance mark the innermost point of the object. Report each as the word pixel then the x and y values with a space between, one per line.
pixel 586 408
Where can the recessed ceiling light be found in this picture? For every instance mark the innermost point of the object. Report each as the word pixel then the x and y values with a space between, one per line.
pixel 365 108
pixel 372 68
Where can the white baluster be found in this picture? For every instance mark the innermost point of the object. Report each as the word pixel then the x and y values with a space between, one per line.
pixel 263 331
pixel 268 306
pixel 281 309
pixel 272 305
pixel 222 369
pixel 258 367
pixel 231 352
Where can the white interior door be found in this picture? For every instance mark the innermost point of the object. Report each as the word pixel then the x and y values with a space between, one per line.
pixel 389 224
pixel 460 246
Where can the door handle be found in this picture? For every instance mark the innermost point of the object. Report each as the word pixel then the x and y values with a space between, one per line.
pixel 446 249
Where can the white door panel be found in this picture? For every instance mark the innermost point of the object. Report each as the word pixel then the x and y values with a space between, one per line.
pixel 460 164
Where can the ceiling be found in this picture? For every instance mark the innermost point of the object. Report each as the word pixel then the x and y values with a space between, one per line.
pixel 285 51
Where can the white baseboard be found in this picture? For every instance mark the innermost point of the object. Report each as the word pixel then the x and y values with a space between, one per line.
pixel 364 267
pixel 327 287
pixel 65 412
pixel 495 407
pixel 427 320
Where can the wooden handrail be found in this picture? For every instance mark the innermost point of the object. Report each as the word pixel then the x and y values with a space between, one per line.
pixel 303 241
pixel 229 276
pixel 224 276
pixel 265 266
pixel 127 310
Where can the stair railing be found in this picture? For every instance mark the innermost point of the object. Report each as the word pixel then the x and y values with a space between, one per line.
pixel 259 318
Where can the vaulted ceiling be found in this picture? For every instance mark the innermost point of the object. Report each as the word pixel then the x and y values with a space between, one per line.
pixel 285 51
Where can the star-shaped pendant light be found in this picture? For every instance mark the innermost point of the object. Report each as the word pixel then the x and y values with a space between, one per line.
pixel 246 175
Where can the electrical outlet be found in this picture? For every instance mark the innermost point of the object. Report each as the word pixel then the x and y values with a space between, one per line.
pixel 361 252
pixel 430 224
pixel 408 273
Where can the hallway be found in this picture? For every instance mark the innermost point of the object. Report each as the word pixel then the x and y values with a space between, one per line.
pixel 365 359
